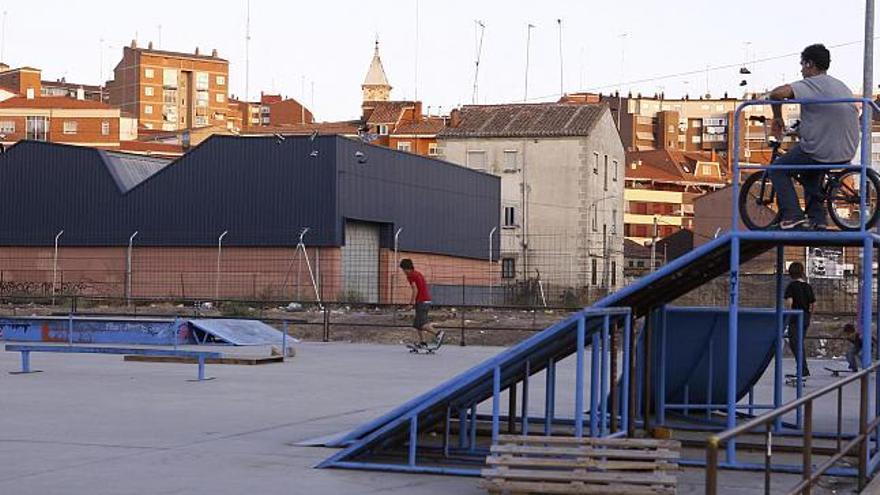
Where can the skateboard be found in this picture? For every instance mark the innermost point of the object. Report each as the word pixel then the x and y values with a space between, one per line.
pixel 837 371
pixel 429 348
pixel 791 380
pixel 423 349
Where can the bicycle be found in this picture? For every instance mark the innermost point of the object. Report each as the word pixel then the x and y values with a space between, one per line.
pixel 839 192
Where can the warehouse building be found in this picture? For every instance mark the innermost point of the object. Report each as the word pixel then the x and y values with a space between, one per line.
pixel 225 221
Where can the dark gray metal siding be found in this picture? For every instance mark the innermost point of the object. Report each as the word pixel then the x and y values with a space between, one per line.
pixel 443 208
pixel 262 190
pixel 45 188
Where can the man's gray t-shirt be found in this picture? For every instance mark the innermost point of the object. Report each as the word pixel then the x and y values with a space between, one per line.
pixel 829 132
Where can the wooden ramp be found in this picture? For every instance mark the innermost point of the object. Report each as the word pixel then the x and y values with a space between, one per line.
pixel 540 464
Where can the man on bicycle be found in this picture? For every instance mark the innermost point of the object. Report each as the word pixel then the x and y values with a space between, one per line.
pixel 829 134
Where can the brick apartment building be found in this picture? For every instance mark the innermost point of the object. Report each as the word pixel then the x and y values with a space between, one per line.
pixel 270 111
pixel 662 185
pixel 703 124
pixel 59 119
pixel 171 90
pixel 25 113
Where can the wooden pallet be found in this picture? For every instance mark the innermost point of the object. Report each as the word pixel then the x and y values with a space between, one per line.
pixel 538 464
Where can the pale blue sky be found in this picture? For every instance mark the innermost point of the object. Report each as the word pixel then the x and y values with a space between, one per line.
pixel 330 43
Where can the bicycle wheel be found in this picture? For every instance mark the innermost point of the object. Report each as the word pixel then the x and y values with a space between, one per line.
pixel 757 202
pixel 843 200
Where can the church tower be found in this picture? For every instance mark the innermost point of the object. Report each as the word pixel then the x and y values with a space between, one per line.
pixel 376 87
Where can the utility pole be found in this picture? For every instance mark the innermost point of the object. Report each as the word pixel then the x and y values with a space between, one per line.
pixel 654 245
pixel 528 43
pixel 561 79
pixel 247 54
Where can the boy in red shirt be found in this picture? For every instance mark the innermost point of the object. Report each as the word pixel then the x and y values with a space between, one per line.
pixel 421 301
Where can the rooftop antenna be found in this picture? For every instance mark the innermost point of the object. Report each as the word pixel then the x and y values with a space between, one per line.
pixel 528 44
pixel 481 27
pixel 416 76
pixel 561 90
pixel 3 40
pixel 247 53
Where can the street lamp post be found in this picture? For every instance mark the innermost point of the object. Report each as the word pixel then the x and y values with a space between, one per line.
pixel 128 269
pixel 219 252
pixel 55 266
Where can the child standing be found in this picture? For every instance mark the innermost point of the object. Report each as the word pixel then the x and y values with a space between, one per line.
pixel 855 346
pixel 802 298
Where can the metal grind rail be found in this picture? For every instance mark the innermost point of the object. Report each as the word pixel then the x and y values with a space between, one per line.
pixel 810 474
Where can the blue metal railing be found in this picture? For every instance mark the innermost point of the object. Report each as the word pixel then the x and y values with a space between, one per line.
pixel 865 158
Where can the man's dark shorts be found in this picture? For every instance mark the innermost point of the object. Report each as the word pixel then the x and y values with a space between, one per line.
pixel 421 318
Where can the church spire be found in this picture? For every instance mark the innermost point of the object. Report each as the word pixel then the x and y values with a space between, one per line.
pixel 376 87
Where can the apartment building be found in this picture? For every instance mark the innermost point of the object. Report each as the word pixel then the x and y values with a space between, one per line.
pixel 701 124
pixel 62 87
pixel 561 169
pixel 59 119
pixel 661 186
pixel 272 110
pixel 24 81
pixel 171 90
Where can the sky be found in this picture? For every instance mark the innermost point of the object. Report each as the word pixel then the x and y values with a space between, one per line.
pixel 319 52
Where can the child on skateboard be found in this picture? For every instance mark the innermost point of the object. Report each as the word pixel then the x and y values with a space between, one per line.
pixel 421 302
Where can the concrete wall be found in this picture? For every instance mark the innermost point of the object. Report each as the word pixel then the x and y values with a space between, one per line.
pixel 553 224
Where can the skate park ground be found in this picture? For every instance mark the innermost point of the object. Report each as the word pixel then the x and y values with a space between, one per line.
pixel 94 424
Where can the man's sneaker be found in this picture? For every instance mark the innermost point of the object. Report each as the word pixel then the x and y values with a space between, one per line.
pixel 817 227
pixel 438 339
pixel 792 224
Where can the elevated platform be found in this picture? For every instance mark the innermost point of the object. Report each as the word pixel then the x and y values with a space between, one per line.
pixel 453 406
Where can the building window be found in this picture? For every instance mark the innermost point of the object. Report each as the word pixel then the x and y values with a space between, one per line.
pixel 404 146
pixel 69 127
pixel 201 81
pixel 219 98
pixel 201 120
pixel 606 172
pixel 593 267
pixel 201 98
pixel 510 164
pixel 614 221
pixel 595 217
pixel 169 78
pixel 148 109
pixel 7 127
pixel 149 73
pixel 613 273
pixel 707 170
pixel 596 163
pixel 508 268
pixel 148 91
pixel 221 80
pixel 432 149
pixel 105 128
pixel 383 130
pixel 509 216
pixel 37 128
pixel 169 96
pixel 476 160
pixel 615 166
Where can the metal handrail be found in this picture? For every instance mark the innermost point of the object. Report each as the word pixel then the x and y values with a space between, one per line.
pixel 809 474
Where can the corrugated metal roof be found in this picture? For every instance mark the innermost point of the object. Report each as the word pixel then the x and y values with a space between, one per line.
pixel 130 170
